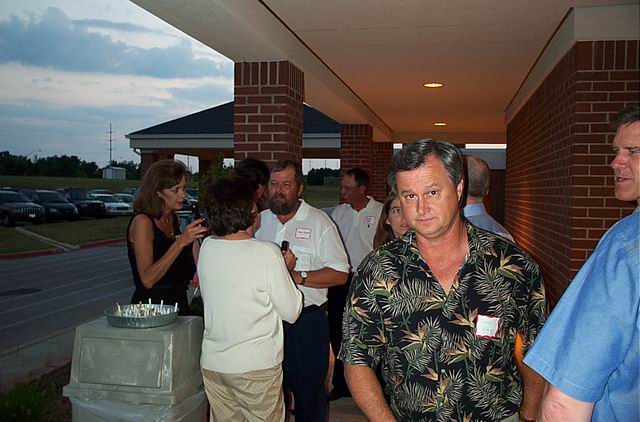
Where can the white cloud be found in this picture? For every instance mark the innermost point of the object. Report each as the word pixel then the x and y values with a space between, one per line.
pixel 64 89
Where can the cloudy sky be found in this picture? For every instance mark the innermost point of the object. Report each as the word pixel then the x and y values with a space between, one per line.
pixel 70 68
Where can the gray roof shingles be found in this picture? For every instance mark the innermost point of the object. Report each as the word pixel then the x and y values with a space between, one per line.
pixel 219 120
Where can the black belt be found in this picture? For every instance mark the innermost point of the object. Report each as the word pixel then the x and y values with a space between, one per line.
pixel 312 308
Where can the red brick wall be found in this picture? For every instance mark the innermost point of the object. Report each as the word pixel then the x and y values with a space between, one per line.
pixel 382 153
pixel 268 111
pixel 559 196
pixel 356 147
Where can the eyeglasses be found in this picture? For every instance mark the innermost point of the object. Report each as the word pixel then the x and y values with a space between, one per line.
pixel 342 187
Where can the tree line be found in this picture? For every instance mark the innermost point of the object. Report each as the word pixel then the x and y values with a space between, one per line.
pixel 59 166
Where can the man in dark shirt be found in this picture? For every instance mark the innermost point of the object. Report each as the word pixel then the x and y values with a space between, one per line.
pixel 440 308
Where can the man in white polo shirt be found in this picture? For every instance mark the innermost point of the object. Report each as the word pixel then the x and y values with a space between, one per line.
pixel 357 219
pixel 321 263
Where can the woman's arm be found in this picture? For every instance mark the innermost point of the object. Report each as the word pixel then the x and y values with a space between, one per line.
pixel 141 235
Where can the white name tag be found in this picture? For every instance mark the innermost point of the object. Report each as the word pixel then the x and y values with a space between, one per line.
pixel 487 326
pixel 371 220
pixel 303 233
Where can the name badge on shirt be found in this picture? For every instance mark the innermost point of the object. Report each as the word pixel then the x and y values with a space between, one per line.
pixel 303 233
pixel 370 220
pixel 487 326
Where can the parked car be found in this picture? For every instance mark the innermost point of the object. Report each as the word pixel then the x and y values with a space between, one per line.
pixel 56 206
pixel 124 197
pixel 86 204
pixel 15 206
pixel 129 190
pixel 105 191
pixel 193 192
pixel 114 206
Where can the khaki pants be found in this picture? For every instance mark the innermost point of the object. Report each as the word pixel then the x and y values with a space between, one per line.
pixel 250 396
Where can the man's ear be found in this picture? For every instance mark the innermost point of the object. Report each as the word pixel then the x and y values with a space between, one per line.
pixel 300 191
pixel 460 190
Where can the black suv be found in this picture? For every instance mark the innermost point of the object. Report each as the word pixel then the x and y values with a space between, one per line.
pixel 14 207
pixel 86 204
pixel 56 206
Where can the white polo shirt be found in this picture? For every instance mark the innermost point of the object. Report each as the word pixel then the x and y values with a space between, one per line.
pixel 357 228
pixel 314 240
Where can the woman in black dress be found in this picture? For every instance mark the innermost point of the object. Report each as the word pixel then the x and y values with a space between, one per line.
pixel 160 255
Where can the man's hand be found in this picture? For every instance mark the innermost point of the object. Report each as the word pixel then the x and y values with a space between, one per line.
pixel 289 259
pixel 367 393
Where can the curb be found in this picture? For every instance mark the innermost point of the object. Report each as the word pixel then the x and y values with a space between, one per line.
pixel 27 254
pixel 52 251
pixel 101 242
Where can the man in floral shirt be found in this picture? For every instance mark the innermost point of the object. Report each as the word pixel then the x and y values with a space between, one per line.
pixel 440 308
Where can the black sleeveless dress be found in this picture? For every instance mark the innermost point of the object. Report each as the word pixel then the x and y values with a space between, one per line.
pixel 172 287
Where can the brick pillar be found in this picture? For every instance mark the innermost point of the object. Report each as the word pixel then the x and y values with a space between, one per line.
pixel 268 111
pixel 203 165
pixel 356 147
pixel 148 157
pixel 382 153
pixel 559 186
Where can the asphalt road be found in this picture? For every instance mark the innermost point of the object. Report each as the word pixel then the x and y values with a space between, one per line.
pixel 43 296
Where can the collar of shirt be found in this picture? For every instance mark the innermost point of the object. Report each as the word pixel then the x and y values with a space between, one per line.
pixel 410 238
pixel 474 209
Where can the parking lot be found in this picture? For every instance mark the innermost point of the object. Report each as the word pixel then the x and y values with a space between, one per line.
pixel 43 296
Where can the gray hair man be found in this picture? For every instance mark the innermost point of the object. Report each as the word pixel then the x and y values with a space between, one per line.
pixel 478 181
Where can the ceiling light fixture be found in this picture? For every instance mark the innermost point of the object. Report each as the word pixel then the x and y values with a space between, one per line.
pixel 439 123
pixel 433 84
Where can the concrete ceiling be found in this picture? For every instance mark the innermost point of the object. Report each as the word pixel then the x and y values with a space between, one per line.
pixel 365 60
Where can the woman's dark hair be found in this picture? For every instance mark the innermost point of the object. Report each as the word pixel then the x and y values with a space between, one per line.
pixel 256 171
pixel 163 174
pixel 230 205
pixel 384 232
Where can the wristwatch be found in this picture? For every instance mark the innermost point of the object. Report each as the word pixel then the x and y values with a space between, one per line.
pixel 304 276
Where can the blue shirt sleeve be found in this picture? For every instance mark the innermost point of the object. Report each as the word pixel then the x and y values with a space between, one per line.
pixel 591 330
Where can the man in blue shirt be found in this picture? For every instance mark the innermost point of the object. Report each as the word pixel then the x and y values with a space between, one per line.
pixel 479 179
pixel 588 349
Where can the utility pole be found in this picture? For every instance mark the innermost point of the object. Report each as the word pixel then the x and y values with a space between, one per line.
pixel 110 144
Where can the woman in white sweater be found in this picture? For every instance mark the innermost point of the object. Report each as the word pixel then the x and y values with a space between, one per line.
pixel 247 293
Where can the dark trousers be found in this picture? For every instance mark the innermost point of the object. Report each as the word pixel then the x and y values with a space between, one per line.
pixel 306 362
pixel 337 298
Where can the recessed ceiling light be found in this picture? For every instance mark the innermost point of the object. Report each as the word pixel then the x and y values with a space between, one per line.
pixel 433 84
pixel 439 123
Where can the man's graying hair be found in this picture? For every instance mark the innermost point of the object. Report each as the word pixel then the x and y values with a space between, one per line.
pixel 412 156
pixel 628 115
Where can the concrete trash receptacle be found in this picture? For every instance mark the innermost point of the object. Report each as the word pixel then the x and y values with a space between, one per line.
pixel 120 370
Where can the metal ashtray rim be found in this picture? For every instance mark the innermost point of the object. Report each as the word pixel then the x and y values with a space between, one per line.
pixel 140 322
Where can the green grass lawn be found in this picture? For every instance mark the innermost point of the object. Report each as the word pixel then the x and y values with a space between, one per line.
pixel 321 196
pixel 12 241
pixel 83 231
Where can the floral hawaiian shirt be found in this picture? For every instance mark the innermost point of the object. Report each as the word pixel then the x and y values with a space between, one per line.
pixel 445 357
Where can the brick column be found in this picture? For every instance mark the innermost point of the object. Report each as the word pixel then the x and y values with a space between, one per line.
pixel 268 111
pixel 382 153
pixel 203 165
pixel 559 186
pixel 148 157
